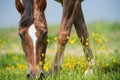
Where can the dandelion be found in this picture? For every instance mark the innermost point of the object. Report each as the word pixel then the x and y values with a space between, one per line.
pixel 72 65
pixel 114 61
pixel 78 63
pixel 74 36
pixel 66 65
pixel 48 40
pixel 96 35
pixel 37 67
pixel 43 54
pixel 72 41
pixel 105 65
pixel 51 50
pixel 102 48
pixel 46 66
pixel 22 67
pixel 88 58
pixel 40 63
pixel 55 38
pixel 93 35
pixel 99 41
pixel 86 43
pixel 68 37
pixel 73 60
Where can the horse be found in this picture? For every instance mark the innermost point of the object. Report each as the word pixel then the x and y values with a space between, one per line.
pixel 33 32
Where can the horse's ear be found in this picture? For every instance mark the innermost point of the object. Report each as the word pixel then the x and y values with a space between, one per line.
pixel 19 6
pixel 41 4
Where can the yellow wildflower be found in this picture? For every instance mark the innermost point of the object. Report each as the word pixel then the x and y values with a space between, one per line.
pixel 99 41
pixel 51 50
pixel 102 48
pixel 87 39
pixel 74 35
pixel 93 35
pixel 43 54
pixel 68 37
pixel 37 67
pixel 88 58
pixel 40 63
pixel 72 41
pixel 48 40
pixel 73 60
pixel 46 66
pixel 22 67
pixel 96 35
pixel 66 65
pixel 86 43
pixel 72 65
pixel 114 60
pixel 55 38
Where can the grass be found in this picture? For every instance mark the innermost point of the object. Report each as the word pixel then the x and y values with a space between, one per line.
pixel 104 38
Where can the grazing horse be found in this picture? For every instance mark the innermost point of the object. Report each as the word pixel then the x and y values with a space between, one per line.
pixel 33 32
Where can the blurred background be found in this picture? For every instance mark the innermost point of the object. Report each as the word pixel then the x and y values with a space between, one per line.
pixel 103 22
pixel 107 10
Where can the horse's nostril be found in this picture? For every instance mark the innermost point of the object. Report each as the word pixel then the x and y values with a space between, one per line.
pixel 41 76
pixel 28 75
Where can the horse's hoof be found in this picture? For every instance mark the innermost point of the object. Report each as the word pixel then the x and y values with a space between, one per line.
pixel 42 76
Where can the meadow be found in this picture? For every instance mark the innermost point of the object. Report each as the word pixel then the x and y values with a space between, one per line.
pixel 105 43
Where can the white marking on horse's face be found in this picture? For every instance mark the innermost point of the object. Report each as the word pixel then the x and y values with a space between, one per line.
pixel 32 33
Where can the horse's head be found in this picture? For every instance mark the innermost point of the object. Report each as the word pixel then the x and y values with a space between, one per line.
pixel 32 31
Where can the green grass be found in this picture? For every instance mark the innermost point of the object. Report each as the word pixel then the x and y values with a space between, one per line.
pixel 13 63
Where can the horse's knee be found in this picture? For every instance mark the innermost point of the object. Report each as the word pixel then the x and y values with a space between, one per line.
pixel 62 38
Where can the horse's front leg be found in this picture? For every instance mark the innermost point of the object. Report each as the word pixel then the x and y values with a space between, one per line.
pixel 70 8
pixel 82 32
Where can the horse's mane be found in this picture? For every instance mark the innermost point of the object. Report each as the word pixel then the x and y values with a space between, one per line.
pixel 27 17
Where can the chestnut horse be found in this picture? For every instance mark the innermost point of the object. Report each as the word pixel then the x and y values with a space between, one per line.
pixel 33 32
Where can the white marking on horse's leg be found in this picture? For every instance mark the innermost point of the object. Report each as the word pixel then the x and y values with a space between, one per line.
pixel 61 59
pixel 89 70
pixel 32 33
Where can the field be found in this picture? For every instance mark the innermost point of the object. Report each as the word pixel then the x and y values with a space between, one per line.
pixel 105 43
